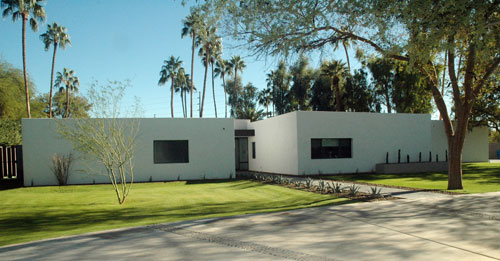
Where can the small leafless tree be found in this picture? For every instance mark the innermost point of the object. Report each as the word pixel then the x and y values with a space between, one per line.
pixel 107 139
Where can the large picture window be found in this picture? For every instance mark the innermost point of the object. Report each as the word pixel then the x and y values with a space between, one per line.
pixel 331 148
pixel 171 151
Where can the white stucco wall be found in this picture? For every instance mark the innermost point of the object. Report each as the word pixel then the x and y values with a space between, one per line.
pixel 475 145
pixel 372 134
pixel 276 145
pixel 211 151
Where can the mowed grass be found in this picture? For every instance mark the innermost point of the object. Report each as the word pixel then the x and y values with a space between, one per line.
pixel 477 178
pixel 45 212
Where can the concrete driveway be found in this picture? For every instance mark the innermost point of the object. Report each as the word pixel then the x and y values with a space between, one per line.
pixel 465 227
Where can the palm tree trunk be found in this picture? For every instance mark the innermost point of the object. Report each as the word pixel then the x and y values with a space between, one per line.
pixel 233 105
pixel 67 102
pixel 388 100
pixel 347 57
pixel 52 79
pixel 213 90
pixel 225 93
pixel 25 19
pixel 182 104
pixel 185 104
pixel 335 84
pixel 204 86
pixel 172 98
pixel 192 76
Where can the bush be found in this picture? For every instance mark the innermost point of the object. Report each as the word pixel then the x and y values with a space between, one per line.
pixel 61 165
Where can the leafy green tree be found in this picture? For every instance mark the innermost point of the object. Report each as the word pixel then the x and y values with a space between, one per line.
pixel 234 90
pixel 33 11
pixel 486 111
pixel 56 35
pixel 383 78
pixel 191 25
pixel 80 106
pixel 235 64
pixel 10 132
pixel 248 104
pixel 169 71
pixel 67 82
pixel 358 93
pixel 322 98
pixel 411 90
pixel 12 103
pixel 411 31
pixel 301 83
pixel 279 81
pixel 337 72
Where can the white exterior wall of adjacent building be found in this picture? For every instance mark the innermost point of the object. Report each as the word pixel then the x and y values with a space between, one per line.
pixel 210 143
pixel 276 145
pixel 475 145
pixel 372 134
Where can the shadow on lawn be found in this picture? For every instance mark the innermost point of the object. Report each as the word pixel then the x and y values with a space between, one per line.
pixel 56 222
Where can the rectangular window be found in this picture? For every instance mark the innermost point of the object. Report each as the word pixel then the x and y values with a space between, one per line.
pixel 331 148
pixel 171 151
pixel 253 150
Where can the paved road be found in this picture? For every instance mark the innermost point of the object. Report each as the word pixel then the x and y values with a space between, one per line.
pixel 465 227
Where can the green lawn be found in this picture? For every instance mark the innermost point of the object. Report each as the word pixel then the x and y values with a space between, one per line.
pixel 45 212
pixel 477 178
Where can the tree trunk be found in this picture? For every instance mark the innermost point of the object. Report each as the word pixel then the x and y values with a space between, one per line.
pixel 185 104
pixel 442 83
pixel 192 76
pixel 233 105
pixel 182 104
pixel 26 88
pixel 213 90
pixel 172 98
pixel 225 94
pixel 388 100
pixel 52 79
pixel 347 57
pixel 455 163
pixel 67 101
pixel 204 86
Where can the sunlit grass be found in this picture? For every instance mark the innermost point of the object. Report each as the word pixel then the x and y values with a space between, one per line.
pixel 477 178
pixel 45 212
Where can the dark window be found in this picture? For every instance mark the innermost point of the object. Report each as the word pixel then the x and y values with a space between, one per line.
pixel 253 150
pixel 171 151
pixel 330 148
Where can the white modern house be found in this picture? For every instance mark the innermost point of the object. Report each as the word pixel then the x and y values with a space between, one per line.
pixel 296 143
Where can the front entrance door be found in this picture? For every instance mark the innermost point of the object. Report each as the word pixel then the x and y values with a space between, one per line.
pixel 241 153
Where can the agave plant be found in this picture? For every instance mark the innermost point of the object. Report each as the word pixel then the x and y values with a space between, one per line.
pixel 309 183
pixel 375 191
pixel 353 189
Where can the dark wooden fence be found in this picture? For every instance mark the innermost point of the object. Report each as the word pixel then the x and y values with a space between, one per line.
pixel 11 166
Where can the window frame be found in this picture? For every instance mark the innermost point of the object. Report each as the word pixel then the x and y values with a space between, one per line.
pixel 157 161
pixel 323 151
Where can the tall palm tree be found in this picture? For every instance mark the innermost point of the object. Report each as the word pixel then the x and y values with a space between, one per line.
pixel 236 64
pixel 69 82
pixel 216 53
pixel 335 70
pixel 33 11
pixel 169 70
pixel 180 82
pixel 221 69
pixel 209 45
pixel 192 25
pixel 56 35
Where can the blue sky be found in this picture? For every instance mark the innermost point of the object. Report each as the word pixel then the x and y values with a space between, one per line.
pixel 118 40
